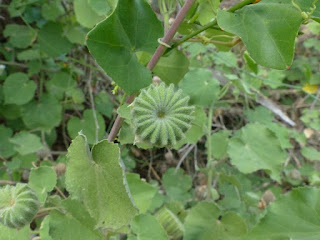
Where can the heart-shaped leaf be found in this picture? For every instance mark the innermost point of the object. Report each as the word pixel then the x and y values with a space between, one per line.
pixel 131 28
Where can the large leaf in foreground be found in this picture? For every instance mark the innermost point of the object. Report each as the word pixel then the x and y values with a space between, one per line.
pixel 295 216
pixel 131 28
pixel 268 30
pixel 98 180
pixel 255 147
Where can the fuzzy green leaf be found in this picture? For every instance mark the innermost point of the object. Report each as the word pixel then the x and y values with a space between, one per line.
pixel 255 147
pixel 177 184
pixel 14 85
pixel 26 143
pixel 172 68
pixel 48 112
pixel 60 83
pixel 97 179
pixel 20 36
pixel 201 86
pixel 6 147
pixel 42 180
pixel 267 29
pixel 294 216
pixel 202 223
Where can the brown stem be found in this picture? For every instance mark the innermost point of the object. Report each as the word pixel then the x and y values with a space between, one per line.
pixel 155 58
pixel 118 122
pixel 170 34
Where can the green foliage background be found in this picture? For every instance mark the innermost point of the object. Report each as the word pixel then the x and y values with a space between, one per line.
pixel 249 165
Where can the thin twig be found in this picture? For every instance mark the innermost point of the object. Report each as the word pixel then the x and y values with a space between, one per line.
pixel 60 192
pixel 155 174
pixel 210 24
pixel 94 113
pixel 315 101
pixel 7 182
pixel 184 157
pixel 59 152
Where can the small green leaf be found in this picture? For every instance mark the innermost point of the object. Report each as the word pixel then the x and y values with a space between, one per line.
pixel 202 223
pixel 268 30
pixel 85 15
pixel 311 118
pixel 87 126
pixel 42 180
pixel 14 85
pixel 26 160
pixel 177 184
pixel 294 216
pixel 52 10
pixel 76 94
pixel 259 114
pixel 75 34
pixel 27 55
pixel 252 65
pixel 126 134
pixel 255 147
pixel 197 130
pixel 14 234
pixel 103 7
pixel 26 143
pixel 43 177
pixel 172 68
pixel 60 83
pixel 52 41
pixel 201 86
pixel 273 77
pixel 115 41
pixel 124 111
pixel 20 36
pixel 48 112
pixel 104 104
pixel 97 179
pixel 310 153
pixel 282 133
pixel 207 10
pixel 147 227
pixel 141 192
pixel 219 144
pixel 6 147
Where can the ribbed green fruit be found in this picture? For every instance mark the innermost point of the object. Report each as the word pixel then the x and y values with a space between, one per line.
pixel 18 205
pixel 161 115
pixel 170 222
